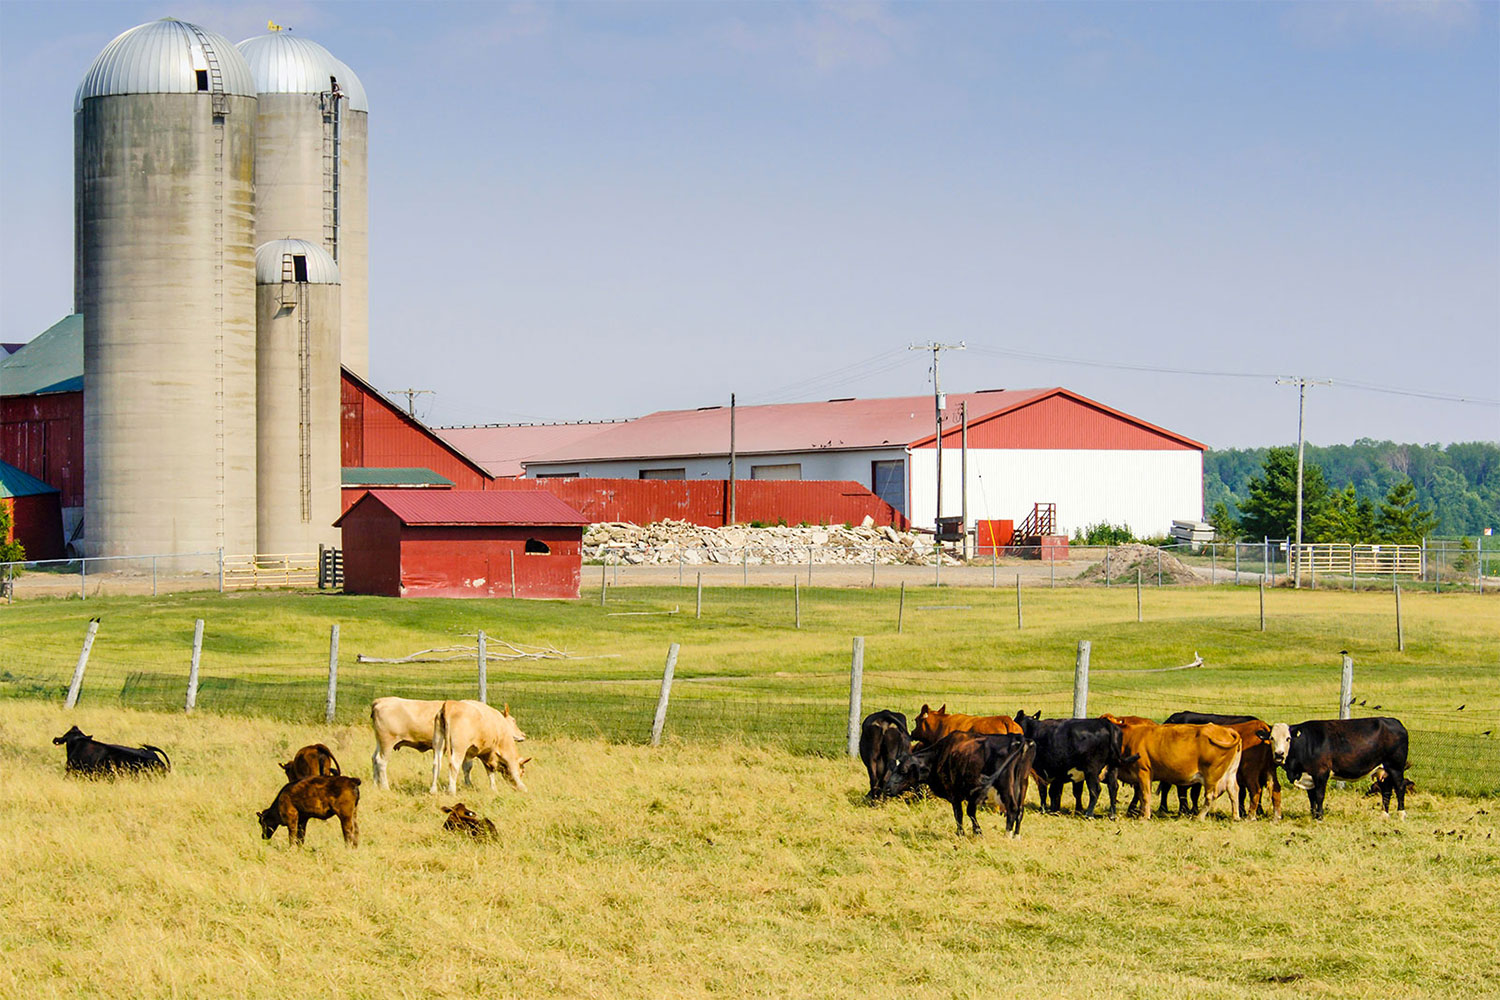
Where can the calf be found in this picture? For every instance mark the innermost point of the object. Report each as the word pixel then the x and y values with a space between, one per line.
pixel 1379 780
pixel 461 819
pixel 1257 768
pixel 1078 750
pixel 1348 749
pixel 1009 783
pixel 882 741
pixel 467 730
pixel 87 756
pixel 309 762
pixel 960 767
pixel 319 797
pixel 1183 755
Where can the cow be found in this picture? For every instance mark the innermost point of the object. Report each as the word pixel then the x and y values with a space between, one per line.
pixel 461 819
pixel 962 768
pixel 933 725
pixel 309 762
pixel 1076 750
pixel 1182 755
pixel 87 756
pixel 882 740
pixel 319 797
pixel 1348 749
pixel 1257 769
pixel 406 722
pixel 472 729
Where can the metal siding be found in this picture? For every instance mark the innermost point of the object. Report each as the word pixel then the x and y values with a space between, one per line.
pixel 475 561
pixel 372 552
pixel 38 525
pixel 377 435
pixel 1062 422
pixel 43 436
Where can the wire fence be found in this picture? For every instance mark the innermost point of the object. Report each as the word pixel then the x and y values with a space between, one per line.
pixel 100 576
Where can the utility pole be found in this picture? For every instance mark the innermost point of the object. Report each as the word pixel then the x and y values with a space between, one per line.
pixel 1301 383
pixel 938 403
pixel 411 398
pixel 963 463
pixel 733 518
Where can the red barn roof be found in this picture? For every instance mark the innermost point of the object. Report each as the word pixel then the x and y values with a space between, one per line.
pixel 504 448
pixel 430 507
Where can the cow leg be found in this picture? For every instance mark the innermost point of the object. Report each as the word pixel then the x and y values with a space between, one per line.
pixel 1093 783
pixel 1399 778
pixel 1077 797
pixel 1054 796
pixel 958 815
pixel 1166 790
pixel 973 809
pixel 350 828
pixel 469 774
pixel 453 768
pixel 1385 796
pixel 1275 795
pixel 1112 782
pixel 1315 795
pixel 377 768
pixel 513 768
pixel 1143 791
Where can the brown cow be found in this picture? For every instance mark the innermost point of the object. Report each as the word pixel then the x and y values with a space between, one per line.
pixel 319 797
pixel 472 729
pixel 309 762
pixel 1257 765
pixel 461 819
pixel 1183 755
pixel 934 725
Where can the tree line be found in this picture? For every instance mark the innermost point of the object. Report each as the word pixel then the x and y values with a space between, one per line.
pixel 1370 491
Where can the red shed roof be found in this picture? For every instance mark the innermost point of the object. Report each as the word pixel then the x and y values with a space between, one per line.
pixel 471 507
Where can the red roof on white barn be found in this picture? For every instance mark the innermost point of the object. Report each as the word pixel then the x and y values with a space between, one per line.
pixel 503 449
pixel 833 425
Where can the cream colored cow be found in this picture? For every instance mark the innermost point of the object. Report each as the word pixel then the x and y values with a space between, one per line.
pixel 466 731
pixel 406 722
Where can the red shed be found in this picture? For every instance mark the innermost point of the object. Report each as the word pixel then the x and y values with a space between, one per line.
pixel 462 543
pixel 35 516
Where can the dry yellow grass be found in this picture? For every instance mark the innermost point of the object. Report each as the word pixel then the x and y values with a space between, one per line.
pixel 693 871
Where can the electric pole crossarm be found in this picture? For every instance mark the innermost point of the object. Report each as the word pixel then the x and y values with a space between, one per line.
pixel 937 408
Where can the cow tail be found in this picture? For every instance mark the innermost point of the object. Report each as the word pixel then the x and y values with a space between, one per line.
pixel 439 740
pixel 159 750
pixel 336 768
pixel 1225 746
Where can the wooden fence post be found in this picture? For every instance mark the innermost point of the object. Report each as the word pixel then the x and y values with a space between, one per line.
pixel 1106 565
pixel 333 673
pixel 796 603
pixel 481 655
pixel 603 577
pixel 1400 635
pixel 1138 593
pixel 83 662
pixel 1262 603
pixel 660 719
pixel 1346 685
pixel 699 612
pixel 856 688
pixel 1018 600
pixel 512 574
pixel 192 691
pixel 901 609
pixel 1081 681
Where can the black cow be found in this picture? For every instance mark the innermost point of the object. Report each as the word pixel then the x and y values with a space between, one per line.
pixel 883 739
pixel 962 768
pixel 1348 749
pixel 1078 750
pixel 90 757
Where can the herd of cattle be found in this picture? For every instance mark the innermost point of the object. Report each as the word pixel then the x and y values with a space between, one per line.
pixel 967 759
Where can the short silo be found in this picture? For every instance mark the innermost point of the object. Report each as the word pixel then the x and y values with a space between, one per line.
pixel 164 137
pixel 297 396
pixel 312 166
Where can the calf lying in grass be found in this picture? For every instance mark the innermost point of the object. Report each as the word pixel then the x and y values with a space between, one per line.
pixel 319 797
pixel 461 819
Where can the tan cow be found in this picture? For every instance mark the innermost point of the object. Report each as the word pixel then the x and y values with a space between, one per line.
pixel 1183 755
pixel 471 730
pixel 406 722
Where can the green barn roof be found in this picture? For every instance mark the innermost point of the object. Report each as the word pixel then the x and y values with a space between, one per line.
pixel 52 361
pixel 363 476
pixel 15 483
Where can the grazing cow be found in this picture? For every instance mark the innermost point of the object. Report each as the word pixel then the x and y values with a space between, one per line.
pixel 1183 755
pixel 882 740
pixel 1348 749
pixel 461 819
pixel 1075 750
pixel 1009 783
pixel 472 729
pixel 87 756
pixel 933 725
pixel 1257 768
pixel 319 797
pixel 406 722
pixel 962 768
pixel 309 762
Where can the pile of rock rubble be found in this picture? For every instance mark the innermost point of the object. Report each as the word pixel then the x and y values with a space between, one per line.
pixel 665 542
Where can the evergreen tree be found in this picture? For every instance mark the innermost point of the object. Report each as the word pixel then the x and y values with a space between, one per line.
pixel 1225 524
pixel 1402 519
pixel 1270 508
pixel 1347 518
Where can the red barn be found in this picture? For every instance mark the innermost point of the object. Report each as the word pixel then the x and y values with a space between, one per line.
pixel 462 543
pixel 35 515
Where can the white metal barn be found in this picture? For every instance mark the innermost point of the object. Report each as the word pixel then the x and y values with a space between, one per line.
pixel 1024 447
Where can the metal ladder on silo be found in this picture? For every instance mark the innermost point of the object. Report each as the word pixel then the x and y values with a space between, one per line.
pixel 220 108
pixel 333 139
pixel 304 382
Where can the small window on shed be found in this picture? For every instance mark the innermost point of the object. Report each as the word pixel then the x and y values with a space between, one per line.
pixel 299 267
pixel 202 79
pixel 536 547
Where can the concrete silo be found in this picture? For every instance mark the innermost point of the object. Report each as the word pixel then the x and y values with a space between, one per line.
pixel 164 139
pixel 312 166
pixel 298 468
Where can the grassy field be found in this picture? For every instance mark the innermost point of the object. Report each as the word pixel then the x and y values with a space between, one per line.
pixel 697 869
pixel 745 671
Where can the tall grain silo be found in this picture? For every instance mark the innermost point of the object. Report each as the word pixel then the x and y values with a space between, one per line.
pixel 298 467
pixel 312 176
pixel 164 144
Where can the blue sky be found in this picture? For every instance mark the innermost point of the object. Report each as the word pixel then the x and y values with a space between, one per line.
pixel 598 210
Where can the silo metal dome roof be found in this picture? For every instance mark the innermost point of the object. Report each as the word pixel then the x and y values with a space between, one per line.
pixel 282 63
pixel 269 257
pixel 163 57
